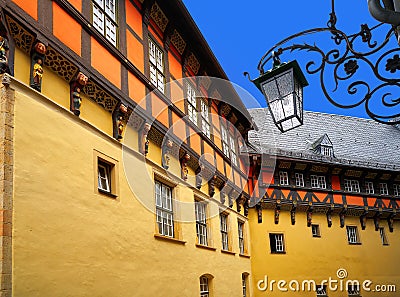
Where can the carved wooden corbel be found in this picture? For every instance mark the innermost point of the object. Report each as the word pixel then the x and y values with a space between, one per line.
pixel 184 166
pixel 76 87
pixel 259 212
pixel 166 152
pixel 143 139
pixel 37 62
pixel 211 186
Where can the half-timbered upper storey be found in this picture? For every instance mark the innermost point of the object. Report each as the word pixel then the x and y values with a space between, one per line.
pixel 143 62
pixel 333 163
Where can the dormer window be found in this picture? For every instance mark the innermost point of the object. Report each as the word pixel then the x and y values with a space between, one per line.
pixel 323 146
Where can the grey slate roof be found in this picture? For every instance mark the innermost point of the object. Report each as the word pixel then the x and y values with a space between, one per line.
pixel 356 141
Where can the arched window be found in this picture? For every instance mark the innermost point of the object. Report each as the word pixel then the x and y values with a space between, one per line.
pixel 205 285
pixel 245 284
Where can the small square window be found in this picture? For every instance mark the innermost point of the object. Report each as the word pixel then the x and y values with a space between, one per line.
pixel 104 19
pixel 352 235
pixel 104 177
pixel 105 174
pixel 383 189
pixel 369 187
pixel 353 290
pixel 299 179
pixel 321 291
pixel 283 178
pixel 277 243
pixel 318 181
pixel 396 189
pixel 315 230
pixel 351 185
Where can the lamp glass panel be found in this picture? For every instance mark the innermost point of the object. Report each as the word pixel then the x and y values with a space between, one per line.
pixel 271 90
pixel 285 83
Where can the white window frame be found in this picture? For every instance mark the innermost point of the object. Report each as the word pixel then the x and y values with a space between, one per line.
pixel 355 290
pixel 318 181
pixel 104 19
pixel 205 118
pixel 191 97
pixel 156 66
pixel 244 284
pixel 164 209
pixel 383 189
pixel 201 222
pixel 352 185
pixel 369 187
pixel 104 177
pixel 326 151
pixel 241 237
pixel 283 178
pixel 204 286
pixel 279 241
pixel 315 230
pixel 224 231
pixel 352 235
pixel 299 177
pixel 321 291
pixel 396 189
pixel 229 146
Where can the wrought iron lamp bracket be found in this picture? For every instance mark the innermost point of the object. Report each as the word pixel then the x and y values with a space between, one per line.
pixel 346 60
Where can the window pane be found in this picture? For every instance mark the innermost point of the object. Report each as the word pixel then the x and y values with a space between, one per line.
pixel 110 8
pixel 98 19
pixel 111 31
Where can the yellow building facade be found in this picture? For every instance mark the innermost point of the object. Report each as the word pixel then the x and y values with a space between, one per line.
pixel 127 168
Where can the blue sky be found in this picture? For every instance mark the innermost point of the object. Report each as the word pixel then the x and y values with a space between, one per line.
pixel 240 33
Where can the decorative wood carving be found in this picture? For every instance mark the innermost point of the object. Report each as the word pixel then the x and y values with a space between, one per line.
pixel 377 218
pixel 199 177
pixel 193 63
pixel 293 214
pixel 60 65
pixel 143 139
pixel 277 212
pixel 238 203
pixel 120 118
pixel 363 220
pixel 165 153
pixel 21 37
pixel 390 221
pixel 37 60
pixel 259 213
pixel 76 87
pixel 178 42
pixel 185 167
pixel 159 17
pixel 211 186
pixel 342 215
pixel 246 207
pixel 329 217
pixel 309 216
pixel 101 97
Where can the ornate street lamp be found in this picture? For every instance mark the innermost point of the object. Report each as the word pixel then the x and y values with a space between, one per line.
pixel 282 85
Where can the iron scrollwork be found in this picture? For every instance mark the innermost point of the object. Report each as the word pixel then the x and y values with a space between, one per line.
pixel 345 62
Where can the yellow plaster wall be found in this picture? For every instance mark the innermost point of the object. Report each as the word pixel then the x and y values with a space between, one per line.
pixel 310 258
pixel 70 241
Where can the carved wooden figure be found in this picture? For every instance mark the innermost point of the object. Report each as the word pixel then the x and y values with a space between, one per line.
pixel 329 217
pixel 309 217
pixel 259 213
pixel 342 218
pixel 76 88
pixel 165 153
pixel 184 166
pixel 293 215
pixel 211 186
pixel 4 49
pixel 143 140
pixel 277 212
pixel 120 119
pixel 239 201
pixel 246 207
pixel 363 220
pixel 377 219
pixel 199 177
pixel 390 221
pixel 37 61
